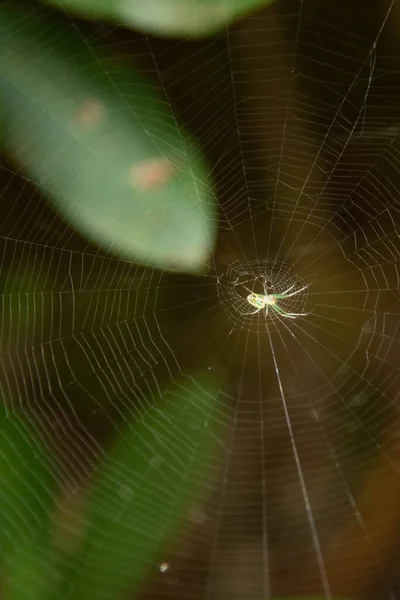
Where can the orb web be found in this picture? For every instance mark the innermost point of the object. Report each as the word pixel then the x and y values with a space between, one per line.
pixel 296 108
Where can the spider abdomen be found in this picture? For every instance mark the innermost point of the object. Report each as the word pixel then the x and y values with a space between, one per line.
pixel 260 300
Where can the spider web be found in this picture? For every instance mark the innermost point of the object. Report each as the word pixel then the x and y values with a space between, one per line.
pixel 297 110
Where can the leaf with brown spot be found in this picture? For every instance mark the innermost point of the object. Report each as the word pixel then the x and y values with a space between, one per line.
pixel 131 182
pixel 90 114
pixel 151 174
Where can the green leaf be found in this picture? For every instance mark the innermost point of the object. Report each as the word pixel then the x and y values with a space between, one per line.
pixel 197 18
pixel 26 500
pixel 103 142
pixel 145 487
pixel 31 575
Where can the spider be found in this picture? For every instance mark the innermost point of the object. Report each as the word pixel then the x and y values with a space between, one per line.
pixel 265 300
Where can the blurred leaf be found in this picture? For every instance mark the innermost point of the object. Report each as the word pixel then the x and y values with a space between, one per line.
pixel 198 18
pixel 99 138
pixel 26 483
pixel 31 576
pixel 144 487
pixel 26 501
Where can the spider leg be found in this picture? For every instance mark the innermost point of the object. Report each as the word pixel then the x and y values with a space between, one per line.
pixel 297 291
pixel 248 289
pixel 285 292
pixel 285 295
pixel 285 313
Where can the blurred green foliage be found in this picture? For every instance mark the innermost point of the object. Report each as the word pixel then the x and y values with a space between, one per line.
pixel 197 18
pixel 140 492
pixel 28 485
pixel 144 488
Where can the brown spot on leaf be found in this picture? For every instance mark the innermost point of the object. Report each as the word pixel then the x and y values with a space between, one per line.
pixel 90 114
pixel 151 174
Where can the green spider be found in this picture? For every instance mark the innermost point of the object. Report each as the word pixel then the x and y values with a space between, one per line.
pixel 265 300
